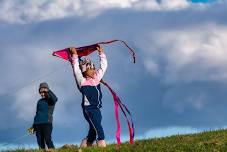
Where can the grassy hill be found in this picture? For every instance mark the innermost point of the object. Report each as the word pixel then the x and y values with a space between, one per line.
pixel 209 141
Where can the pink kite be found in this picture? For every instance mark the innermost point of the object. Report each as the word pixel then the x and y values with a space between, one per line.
pixel 86 50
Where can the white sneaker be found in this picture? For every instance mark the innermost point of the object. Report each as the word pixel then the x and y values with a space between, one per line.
pixel 101 143
pixel 50 150
pixel 83 143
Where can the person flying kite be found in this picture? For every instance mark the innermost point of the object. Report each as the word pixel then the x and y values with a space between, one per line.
pixel 88 80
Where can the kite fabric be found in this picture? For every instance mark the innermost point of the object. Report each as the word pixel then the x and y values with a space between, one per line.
pixel 86 50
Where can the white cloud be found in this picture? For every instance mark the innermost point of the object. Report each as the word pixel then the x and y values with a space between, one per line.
pixel 23 11
pixel 25 105
pixel 29 11
pixel 184 57
pixel 151 67
pixel 190 54
pixel 174 4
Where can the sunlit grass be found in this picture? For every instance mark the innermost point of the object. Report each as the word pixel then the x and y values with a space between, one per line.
pixel 210 141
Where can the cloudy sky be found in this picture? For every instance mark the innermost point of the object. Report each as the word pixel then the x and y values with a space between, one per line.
pixel 178 84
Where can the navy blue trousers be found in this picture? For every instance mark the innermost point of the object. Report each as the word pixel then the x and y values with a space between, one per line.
pixel 94 118
pixel 43 135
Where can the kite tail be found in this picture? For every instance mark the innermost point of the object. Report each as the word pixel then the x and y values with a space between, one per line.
pixel 125 111
pixel 112 41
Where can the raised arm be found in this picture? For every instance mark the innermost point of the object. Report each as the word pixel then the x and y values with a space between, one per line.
pixel 52 97
pixel 103 63
pixel 76 68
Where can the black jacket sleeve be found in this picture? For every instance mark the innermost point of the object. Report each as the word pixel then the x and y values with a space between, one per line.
pixel 52 98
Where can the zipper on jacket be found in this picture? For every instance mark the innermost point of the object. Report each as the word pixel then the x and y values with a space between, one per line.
pixel 98 96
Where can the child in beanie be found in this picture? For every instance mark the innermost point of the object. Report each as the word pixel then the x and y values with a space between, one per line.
pixel 43 119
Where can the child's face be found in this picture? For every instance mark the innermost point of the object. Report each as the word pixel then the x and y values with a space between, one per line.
pixel 90 72
pixel 43 92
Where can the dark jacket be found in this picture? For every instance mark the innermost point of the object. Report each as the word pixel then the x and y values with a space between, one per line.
pixel 93 94
pixel 45 109
pixel 90 87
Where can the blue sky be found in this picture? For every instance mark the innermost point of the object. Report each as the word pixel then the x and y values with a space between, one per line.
pixel 178 84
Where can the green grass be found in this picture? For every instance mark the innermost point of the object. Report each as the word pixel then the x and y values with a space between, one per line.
pixel 209 141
